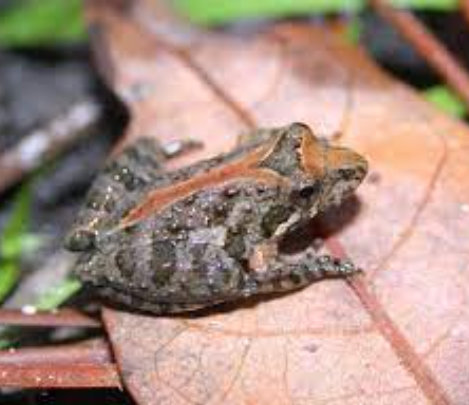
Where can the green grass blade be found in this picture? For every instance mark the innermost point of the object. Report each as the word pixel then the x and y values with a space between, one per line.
pixel 11 236
pixel 35 22
pixel 444 98
pixel 12 241
pixel 57 295
pixel 222 11
pixel 9 274
pixel 354 29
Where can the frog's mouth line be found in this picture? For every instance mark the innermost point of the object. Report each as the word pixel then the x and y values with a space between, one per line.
pixel 283 228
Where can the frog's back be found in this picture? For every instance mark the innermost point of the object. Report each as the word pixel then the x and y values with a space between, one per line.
pixel 125 181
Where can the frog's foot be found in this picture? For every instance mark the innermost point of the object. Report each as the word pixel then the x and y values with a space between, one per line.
pixel 281 275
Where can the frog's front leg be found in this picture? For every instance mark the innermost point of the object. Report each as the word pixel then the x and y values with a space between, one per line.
pixel 284 273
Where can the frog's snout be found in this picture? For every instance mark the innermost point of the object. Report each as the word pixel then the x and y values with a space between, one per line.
pixel 80 240
pixel 361 167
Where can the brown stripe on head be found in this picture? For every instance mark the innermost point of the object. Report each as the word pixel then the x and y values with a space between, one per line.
pixel 340 157
pixel 312 153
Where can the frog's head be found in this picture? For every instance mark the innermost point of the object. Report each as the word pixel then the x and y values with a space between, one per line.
pixel 343 173
pixel 327 173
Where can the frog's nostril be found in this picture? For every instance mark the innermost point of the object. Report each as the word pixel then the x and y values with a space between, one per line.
pixel 80 240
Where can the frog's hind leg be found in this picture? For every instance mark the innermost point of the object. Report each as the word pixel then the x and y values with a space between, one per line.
pixel 283 274
pixel 139 167
pixel 123 180
pixel 140 163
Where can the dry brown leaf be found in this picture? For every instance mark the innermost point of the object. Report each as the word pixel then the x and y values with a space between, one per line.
pixel 398 335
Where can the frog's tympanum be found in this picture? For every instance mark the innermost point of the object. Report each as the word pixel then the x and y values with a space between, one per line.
pixel 212 232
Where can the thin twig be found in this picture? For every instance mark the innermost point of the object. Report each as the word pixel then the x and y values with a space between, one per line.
pixel 464 6
pixel 83 375
pixel 427 45
pixel 64 317
pixel 86 364
pixel 45 143
pixel 94 351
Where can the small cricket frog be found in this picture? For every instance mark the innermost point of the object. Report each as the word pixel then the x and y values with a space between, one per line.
pixel 212 232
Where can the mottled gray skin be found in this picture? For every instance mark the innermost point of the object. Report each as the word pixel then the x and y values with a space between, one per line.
pixel 198 251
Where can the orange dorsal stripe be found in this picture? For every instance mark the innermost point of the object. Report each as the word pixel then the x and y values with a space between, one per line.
pixel 244 168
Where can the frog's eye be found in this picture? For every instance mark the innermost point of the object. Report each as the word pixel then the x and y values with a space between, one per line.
pixel 309 190
pixel 80 240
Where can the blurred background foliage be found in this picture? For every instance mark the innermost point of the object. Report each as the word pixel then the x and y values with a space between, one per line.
pixel 32 22
pixel 222 11
pixel 43 21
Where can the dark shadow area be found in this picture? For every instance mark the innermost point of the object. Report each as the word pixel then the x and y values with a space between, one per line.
pixel 397 56
pixel 67 396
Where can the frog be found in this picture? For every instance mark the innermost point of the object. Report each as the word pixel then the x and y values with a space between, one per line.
pixel 169 242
